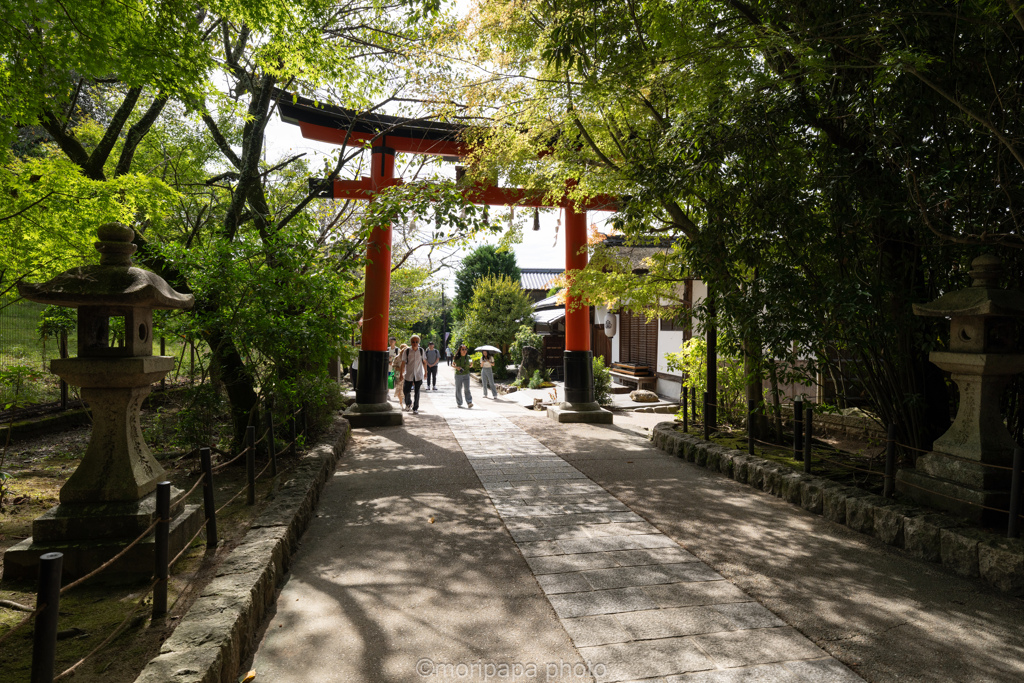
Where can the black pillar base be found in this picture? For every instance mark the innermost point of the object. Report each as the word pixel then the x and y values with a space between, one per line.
pixel 579 376
pixel 372 377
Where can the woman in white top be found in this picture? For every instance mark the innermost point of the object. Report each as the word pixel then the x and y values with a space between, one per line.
pixel 487 373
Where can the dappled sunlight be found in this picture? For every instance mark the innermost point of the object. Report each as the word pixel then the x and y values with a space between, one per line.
pixel 872 606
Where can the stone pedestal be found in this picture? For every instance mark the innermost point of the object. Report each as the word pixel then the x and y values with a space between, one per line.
pixel 977 439
pixel 117 465
pixel 591 413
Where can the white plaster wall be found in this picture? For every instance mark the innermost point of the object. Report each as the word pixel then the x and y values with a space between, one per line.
pixel 615 340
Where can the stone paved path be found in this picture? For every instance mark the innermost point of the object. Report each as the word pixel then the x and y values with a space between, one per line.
pixel 636 605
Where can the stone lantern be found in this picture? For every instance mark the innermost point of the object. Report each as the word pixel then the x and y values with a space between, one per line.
pixel 110 498
pixel 981 360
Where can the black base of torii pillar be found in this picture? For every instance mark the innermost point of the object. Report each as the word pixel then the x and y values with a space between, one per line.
pixel 578 360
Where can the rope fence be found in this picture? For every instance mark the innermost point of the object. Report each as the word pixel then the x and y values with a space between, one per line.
pixel 803 420
pixel 48 596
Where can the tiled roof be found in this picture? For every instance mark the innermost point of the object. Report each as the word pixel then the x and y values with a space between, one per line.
pixel 549 302
pixel 549 316
pixel 537 278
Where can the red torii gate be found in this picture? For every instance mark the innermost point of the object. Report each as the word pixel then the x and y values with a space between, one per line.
pixel 388 136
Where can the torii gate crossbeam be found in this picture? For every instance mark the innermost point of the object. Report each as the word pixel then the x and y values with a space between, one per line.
pixel 389 136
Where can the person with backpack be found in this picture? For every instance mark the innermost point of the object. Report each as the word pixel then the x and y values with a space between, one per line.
pixel 414 367
pixel 433 358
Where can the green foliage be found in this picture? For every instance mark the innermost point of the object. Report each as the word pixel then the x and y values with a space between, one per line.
pixel 538 380
pixel 691 360
pixel 21 385
pixel 481 262
pixel 497 311
pixel 56 320
pixel 198 420
pixel 602 382
pixel 524 337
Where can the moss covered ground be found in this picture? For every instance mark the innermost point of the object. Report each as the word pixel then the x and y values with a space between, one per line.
pixel 90 613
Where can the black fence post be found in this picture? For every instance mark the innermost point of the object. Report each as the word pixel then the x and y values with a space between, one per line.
pixel 798 429
pixel 63 385
pixel 162 551
pixel 294 433
pixel 44 634
pixel 693 405
pixel 704 417
pixel 889 483
pixel 191 362
pixel 250 465
pixel 209 506
pixel 270 436
pixel 686 416
pixel 1016 484
pixel 750 426
pixel 808 437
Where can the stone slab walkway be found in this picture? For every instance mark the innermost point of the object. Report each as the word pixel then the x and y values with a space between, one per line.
pixel 494 545
pixel 636 604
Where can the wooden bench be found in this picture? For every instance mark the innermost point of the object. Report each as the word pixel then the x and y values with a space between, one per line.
pixel 640 381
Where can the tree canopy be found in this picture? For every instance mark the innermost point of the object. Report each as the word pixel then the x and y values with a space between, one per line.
pixel 483 261
pixel 821 167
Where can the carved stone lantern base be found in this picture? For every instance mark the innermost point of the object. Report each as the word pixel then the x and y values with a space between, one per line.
pixel 967 470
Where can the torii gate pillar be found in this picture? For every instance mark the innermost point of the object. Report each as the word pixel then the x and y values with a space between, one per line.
pixel 579 404
pixel 372 408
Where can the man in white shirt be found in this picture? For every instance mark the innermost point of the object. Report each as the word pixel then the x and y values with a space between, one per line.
pixel 414 367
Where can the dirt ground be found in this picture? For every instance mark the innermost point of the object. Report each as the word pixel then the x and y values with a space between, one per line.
pixel 90 614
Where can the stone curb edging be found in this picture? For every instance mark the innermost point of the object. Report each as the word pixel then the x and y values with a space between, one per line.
pixel 924 534
pixel 217 632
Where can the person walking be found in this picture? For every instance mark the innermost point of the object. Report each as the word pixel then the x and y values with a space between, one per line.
pixel 487 373
pixel 433 357
pixel 462 365
pixel 396 365
pixel 451 356
pixel 392 353
pixel 414 367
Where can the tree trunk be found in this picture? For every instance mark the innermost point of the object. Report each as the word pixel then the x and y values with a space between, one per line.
pixel 238 382
pixel 758 426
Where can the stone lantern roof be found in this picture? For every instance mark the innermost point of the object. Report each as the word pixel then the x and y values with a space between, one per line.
pixel 114 282
pixel 983 298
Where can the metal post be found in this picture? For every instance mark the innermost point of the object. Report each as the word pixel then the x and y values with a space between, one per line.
pixel 1016 484
pixel 808 436
pixel 704 416
pixel 270 436
pixel 44 635
pixel 750 426
pixel 162 551
pixel 209 506
pixel 291 423
pixel 889 482
pixel 63 385
pixel 686 426
pixel 250 464
pixel 798 429
pixel 693 405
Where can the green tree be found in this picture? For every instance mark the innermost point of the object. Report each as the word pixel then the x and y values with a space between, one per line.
pixel 498 308
pixel 822 168
pixel 481 262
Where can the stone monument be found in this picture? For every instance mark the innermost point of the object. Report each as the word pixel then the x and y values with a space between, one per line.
pixel 110 498
pixel 981 359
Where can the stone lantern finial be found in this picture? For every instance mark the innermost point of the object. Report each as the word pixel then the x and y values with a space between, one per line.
pixel 115 245
pixel 986 271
